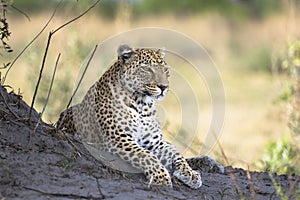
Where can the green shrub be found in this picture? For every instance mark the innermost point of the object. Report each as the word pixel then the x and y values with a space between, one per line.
pixel 280 157
pixel 284 156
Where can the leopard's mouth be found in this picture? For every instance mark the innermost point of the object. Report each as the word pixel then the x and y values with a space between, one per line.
pixel 158 92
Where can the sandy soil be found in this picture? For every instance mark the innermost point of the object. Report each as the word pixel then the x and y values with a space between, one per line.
pixel 38 162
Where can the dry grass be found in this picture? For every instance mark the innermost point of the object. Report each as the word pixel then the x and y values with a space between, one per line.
pixel 251 118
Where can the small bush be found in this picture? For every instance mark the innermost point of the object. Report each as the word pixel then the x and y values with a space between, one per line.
pixel 284 156
pixel 280 157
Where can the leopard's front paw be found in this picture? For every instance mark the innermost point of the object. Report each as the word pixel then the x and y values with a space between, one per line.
pixel 205 164
pixel 159 176
pixel 190 178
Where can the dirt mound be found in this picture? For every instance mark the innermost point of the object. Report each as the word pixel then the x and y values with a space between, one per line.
pixel 38 162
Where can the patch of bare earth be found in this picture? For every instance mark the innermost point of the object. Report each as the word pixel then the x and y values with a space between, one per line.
pixel 40 163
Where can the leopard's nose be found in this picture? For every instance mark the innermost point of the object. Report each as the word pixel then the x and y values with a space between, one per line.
pixel 162 87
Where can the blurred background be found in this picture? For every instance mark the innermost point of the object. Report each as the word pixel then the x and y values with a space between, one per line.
pixel 252 42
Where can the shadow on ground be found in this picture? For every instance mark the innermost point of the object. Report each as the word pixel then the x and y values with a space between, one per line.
pixel 38 162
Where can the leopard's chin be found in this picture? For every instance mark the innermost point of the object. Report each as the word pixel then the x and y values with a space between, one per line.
pixel 152 97
pixel 159 97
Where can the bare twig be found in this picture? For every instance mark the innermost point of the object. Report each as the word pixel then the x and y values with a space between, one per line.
pixel 46 51
pixel 251 185
pixel 80 80
pixel 51 84
pixel 99 189
pixel 232 175
pixel 79 16
pixel 221 149
pixel 40 74
pixel 19 55
pixel 293 186
pixel 20 11
pixel 71 196
pixel 49 92
pixel 5 102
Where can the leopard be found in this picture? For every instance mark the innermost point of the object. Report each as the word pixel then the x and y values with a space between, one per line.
pixel 119 114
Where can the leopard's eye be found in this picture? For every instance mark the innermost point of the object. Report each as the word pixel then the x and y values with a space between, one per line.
pixel 147 69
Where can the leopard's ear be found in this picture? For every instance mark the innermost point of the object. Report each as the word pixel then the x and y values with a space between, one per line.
pixel 162 52
pixel 124 52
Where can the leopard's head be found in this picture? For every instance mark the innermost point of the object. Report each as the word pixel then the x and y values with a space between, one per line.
pixel 144 71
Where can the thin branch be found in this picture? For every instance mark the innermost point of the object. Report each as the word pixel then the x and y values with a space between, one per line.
pixel 5 102
pixel 293 187
pixel 251 185
pixel 51 84
pixel 99 189
pixel 79 16
pixel 26 47
pixel 20 11
pixel 49 91
pixel 87 65
pixel 221 149
pixel 40 74
pixel 46 52
pixel 232 175
pixel 69 196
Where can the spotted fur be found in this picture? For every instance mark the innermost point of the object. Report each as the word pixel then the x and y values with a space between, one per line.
pixel 118 113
